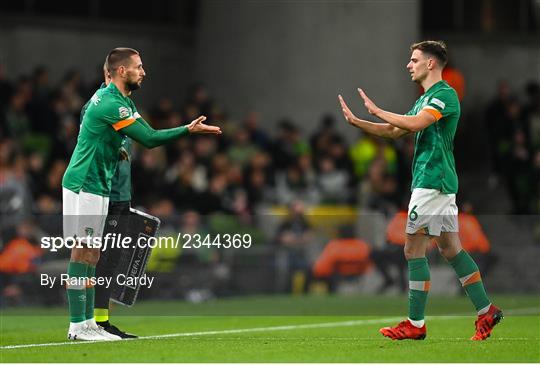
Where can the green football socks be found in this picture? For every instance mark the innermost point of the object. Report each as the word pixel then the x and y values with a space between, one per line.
pixel 419 282
pixel 76 291
pixel 90 293
pixel 469 276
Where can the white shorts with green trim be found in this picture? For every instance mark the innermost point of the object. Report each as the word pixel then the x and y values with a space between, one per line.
pixel 432 212
pixel 84 214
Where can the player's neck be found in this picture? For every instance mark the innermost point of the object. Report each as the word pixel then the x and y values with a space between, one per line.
pixel 431 80
pixel 122 87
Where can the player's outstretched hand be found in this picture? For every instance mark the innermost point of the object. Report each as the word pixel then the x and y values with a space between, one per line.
pixel 370 106
pixel 349 116
pixel 197 126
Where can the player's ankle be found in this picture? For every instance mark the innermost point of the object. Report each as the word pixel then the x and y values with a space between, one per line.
pixel 417 323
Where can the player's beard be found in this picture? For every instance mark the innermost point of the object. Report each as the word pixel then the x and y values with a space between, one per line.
pixel 132 86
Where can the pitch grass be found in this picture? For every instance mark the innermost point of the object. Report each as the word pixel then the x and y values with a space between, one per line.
pixel 515 339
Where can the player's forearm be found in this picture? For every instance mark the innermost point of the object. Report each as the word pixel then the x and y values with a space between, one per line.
pixel 141 132
pixel 406 122
pixel 384 130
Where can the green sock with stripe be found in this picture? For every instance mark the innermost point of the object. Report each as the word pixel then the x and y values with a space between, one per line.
pixel 76 293
pixel 419 282
pixel 469 276
pixel 90 293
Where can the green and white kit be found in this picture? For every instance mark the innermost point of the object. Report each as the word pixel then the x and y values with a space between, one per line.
pixel 432 208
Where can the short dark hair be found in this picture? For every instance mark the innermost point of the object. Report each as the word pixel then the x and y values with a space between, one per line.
pixel 435 48
pixel 118 57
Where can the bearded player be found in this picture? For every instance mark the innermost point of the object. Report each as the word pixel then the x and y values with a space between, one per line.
pixel 432 209
pixel 110 116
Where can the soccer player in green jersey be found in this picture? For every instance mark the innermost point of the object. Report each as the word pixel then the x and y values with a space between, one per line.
pixel 119 210
pixel 110 116
pixel 432 208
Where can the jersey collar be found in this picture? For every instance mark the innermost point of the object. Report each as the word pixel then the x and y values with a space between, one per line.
pixel 436 86
pixel 115 90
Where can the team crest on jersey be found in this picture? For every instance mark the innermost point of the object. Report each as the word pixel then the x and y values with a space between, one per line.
pixel 439 103
pixel 124 112
pixel 89 231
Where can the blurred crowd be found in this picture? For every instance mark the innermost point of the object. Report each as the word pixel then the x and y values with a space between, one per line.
pixel 240 173
pixel 248 166
pixel 513 126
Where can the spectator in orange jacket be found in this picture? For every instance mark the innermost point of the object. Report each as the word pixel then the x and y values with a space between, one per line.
pixel 343 257
pixel 474 240
pixel 18 257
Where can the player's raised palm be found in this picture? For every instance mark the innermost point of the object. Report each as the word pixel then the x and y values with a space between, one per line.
pixel 370 105
pixel 349 116
pixel 197 126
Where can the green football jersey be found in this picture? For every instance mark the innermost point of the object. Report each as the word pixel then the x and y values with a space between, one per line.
pixel 433 165
pixel 121 182
pixel 96 154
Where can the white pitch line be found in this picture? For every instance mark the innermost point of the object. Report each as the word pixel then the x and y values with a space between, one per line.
pixel 257 329
pixel 219 332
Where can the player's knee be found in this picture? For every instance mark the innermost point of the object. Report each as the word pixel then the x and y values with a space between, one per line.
pixel 78 255
pixel 409 252
pixel 93 257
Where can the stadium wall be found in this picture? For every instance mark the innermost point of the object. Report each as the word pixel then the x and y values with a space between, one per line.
pixel 168 61
pixel 290 59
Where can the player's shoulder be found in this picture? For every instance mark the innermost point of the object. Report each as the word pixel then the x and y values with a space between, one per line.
pixel 444 96
pixel 107 100
pixel 446 91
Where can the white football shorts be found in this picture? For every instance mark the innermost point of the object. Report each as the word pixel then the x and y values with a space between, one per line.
pixel 432 212
pixel 84 213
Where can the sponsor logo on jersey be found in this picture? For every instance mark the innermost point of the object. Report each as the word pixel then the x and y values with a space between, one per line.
pixel 124 112
pixel 439 103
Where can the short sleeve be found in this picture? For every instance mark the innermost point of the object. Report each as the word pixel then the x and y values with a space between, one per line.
pixel 442 103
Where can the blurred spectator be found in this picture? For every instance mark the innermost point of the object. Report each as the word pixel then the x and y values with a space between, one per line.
pixel 242 149
pixel 474 240
pixel 521 183
pixel 6 90
pixel 198 98
pixel 455 79
pixel 389 260
pixel 288 145
pixel 322 139
pixel 185 179
pixel 147 173
pixel 531 114
pixel 164 257
pixel 293 185
pixel 256 134
pixel 212 200
pixel 15 195
pixel 333 183
pixel 367 149
pixel 17 120
pixel 160 114
pixel 294 234
pixel 39 99
pixel 72 91
pixel 500 130
pixel 19 256
pixel 342 258
pixel 380 189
